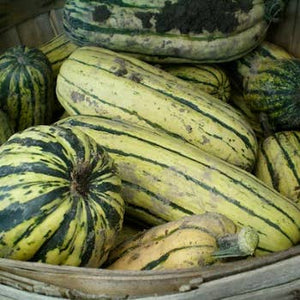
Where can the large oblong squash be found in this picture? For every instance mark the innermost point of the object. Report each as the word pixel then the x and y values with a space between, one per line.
pixel 96 81
pixel 164 179
pixel 171 31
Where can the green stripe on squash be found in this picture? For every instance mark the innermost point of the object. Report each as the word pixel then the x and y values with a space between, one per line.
pixel 60 198
pixel 207 31
pixel 163 177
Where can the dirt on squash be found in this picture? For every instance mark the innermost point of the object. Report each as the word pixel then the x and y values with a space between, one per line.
pixel 197 16
pixel 101 13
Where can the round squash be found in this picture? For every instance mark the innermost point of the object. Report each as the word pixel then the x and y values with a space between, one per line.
pixel 60 198
pixel 272 89
pixel 26 87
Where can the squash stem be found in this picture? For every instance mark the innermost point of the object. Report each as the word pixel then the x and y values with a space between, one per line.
pixel 80 178
pixel 241 244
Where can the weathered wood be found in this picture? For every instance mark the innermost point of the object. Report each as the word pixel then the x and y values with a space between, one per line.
pixel 56 16
pixel 280 280
pixel 9 293
pixel 9 39
pixel 14 12
pixel 35 31
pixel 277 281
pixel 239 277
pixel 286 33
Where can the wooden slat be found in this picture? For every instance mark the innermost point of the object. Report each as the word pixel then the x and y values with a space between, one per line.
pixel 287 32
pixel 56 16
pixel 9 38
pixel 31 34
pixel 13 12
pixel 247 275
pixel 277 281
pixel 9 293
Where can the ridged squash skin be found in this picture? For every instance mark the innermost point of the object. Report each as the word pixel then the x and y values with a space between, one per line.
pixel 185 243
pixel 171 31
pixel 5 128
pixel 240 69
pixel 96 81
pixel 209 78
pixel 60 198
pixel 165 179
pixel 272 89
pixel 269 78
pixel 26 87
pixel 278 163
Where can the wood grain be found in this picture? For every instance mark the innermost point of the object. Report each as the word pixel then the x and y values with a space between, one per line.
pixel 286 33
pixel 253 275
pixel 13 12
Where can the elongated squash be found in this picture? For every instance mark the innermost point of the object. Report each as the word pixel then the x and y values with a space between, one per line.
pixel 57 50
pixel 101 82
pixel 278 163
pixel 60 198
pixel 192 241
pixel 168 31
pixel 165 179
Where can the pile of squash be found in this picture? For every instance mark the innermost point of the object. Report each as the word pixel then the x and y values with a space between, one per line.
pixel 151 135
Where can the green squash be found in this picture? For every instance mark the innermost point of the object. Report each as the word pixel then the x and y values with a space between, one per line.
pixel 26 87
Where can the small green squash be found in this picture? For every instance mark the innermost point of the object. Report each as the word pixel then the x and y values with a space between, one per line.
pixel 272 89
pixel 26 87
pixel 269 80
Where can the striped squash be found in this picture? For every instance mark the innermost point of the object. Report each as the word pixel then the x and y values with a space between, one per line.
pixel 278 163
pixel 192 241
pixel 171 31
pixel 97 81
pixel 207 77
pixel 26 87
pixel 165 179
pixel 57 50
pixel 60 198
pixel 5 128
pixel 269 79
pixel 272 89
pixel 239 70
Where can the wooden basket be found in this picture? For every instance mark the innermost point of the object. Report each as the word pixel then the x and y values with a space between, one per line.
pixel 275 276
